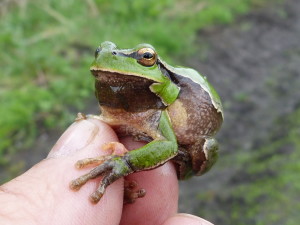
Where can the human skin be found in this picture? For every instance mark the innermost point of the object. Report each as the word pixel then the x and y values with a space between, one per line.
pixel 42 195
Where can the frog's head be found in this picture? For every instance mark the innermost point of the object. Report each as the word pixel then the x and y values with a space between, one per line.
pixel 138 66
pixel 140 61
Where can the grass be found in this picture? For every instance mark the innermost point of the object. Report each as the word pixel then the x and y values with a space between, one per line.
pixel 47 46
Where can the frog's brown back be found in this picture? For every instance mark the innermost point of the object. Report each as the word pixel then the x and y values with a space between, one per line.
pixel 193 115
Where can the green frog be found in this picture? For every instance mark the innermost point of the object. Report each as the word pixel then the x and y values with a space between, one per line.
pixel 175 109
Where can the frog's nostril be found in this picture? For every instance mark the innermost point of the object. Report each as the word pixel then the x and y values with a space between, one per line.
pixel 98 50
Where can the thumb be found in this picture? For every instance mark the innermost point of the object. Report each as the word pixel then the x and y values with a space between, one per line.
pixel 42 194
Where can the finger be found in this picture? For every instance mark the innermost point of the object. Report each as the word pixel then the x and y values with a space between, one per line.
pixel 161 200
pixel 42 194
pixel 182 218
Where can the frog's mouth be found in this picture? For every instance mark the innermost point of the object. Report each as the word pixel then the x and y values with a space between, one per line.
pixel 115 79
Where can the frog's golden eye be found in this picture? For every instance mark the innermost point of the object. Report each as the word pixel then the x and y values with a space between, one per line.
pixel 146 56
pixel 98 50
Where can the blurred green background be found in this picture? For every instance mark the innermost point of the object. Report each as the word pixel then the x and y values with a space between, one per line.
pixel 47 47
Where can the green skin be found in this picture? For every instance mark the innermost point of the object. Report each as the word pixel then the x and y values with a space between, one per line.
pixel 136 85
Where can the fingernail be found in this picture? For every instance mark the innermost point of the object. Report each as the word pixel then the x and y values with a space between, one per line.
pixel 76 137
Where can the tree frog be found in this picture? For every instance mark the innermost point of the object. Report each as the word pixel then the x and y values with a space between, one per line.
pixel 175 109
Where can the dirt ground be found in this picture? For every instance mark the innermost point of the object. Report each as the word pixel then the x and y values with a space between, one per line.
pixel 254 64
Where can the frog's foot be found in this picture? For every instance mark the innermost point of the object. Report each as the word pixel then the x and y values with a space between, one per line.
pixel 132 192
pixel 107 164
pixel 112 169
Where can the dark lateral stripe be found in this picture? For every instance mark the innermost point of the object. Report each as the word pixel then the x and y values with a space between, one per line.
pixel 167 72
pixel 133 55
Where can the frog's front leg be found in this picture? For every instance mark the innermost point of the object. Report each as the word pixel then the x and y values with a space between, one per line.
pixel 147 157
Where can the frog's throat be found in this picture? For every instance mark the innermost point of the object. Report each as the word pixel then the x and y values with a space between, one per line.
pixel 129 93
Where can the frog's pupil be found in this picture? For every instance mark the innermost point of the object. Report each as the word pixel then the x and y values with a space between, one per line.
pixel 148 55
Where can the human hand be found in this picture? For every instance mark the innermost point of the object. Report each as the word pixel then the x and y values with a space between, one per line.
pixel 42 195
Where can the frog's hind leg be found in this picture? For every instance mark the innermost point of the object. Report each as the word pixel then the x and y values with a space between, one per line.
pixel 183 164
pixel 132 192
pixel 196 159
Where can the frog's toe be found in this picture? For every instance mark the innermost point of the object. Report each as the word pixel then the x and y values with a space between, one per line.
pixel 80 116
pixel 107 180
pixel 96 196
pixel 112 148
pixel 92 161
pixel 132 192
pixel 115 148
pixel 77 183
